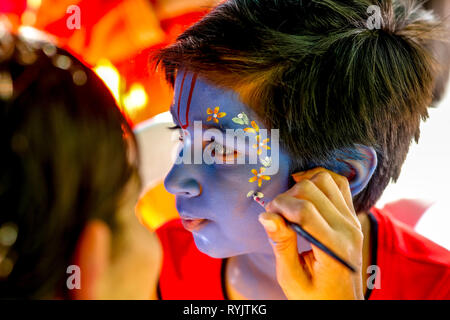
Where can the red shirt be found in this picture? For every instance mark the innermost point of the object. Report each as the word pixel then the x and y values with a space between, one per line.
pixel 410 266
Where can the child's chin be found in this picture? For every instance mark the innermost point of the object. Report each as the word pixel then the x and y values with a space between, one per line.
pixel 214 248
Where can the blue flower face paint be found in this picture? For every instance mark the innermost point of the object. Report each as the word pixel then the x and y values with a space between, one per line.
pixel 213 199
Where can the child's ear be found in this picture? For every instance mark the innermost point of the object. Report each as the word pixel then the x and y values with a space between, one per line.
pixel 360 171
pixel 92 258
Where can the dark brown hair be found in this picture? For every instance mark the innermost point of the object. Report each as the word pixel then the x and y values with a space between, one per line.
pixel 315 70
pixel 64 160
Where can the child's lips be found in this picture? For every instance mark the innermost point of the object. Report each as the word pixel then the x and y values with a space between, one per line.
pixel 193 225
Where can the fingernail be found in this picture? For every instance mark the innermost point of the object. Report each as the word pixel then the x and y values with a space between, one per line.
pixel 298 174
pixel 269 225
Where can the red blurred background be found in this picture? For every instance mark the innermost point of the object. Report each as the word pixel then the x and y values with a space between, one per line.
pixel 117 35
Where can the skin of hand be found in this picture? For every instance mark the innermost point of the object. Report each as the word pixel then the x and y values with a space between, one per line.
pixel 320 202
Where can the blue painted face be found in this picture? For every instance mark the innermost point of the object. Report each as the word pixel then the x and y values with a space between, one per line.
pixel 212 198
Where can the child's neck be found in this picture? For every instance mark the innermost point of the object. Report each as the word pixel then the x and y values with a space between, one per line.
pixel 253 276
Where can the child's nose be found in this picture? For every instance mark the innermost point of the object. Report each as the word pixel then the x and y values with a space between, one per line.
pixel 180 183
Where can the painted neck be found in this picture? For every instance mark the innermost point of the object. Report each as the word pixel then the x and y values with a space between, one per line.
pixel 253 276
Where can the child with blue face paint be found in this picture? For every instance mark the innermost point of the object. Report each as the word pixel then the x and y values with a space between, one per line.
pixel 221 218
pixel 347 102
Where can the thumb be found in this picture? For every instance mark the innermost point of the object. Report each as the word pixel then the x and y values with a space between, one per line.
pixel 290 272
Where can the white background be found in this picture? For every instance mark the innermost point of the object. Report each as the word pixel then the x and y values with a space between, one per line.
pixel 426 171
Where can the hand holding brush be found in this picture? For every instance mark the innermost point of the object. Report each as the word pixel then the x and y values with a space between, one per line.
pixel 320 208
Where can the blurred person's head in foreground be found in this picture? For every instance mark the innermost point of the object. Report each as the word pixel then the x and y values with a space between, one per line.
pixel 68 181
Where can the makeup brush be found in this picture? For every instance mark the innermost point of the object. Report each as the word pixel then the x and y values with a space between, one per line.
pixel 308 237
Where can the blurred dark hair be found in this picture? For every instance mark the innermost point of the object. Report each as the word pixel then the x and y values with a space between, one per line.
pixel 66 156
pixel 314 70
pixel 441 49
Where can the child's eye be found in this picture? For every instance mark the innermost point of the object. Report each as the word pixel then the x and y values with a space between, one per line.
pixel 222 150
pixel 180 132
pixel 218 149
